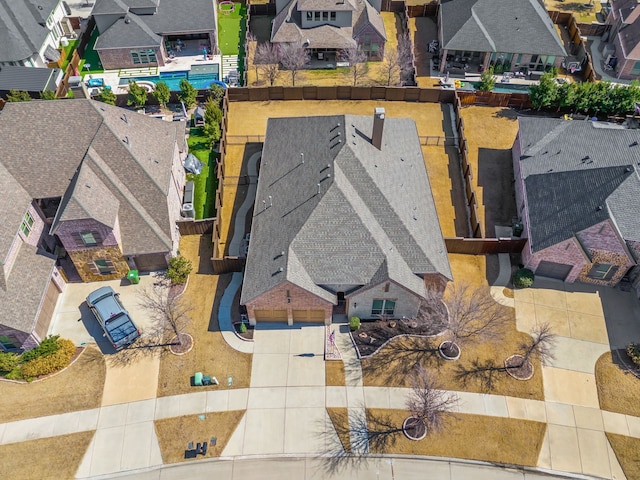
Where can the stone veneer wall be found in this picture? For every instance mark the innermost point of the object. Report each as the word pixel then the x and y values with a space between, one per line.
pixel 83 260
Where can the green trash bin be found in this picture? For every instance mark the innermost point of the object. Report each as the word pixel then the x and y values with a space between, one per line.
pixel 133 276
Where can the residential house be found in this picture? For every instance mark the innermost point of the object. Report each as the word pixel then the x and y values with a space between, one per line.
pixel 31 80
pixel 344 221
pixel 89 191
pixel 624 36
pixel 141 33
pixel 516 35
pixel 30 31
pixel 326 27
pixel 578 197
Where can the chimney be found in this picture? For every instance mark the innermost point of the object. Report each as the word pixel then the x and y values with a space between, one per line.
pixel 378 126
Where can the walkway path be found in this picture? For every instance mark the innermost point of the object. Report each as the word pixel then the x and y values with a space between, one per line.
pixel 224 316
pixel 237 242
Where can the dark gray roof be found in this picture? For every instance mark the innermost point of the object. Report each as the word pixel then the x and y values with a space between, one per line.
pixel 287 27
pixel 21 32
pixel 571 168
pixel 14 202
pixel 29 79
pixel 129 153
pixel 27 284
pixel 183 16
pixel 130 31
pixel 375 209
pixel 509 26
pixel 41 9
pixel 324 5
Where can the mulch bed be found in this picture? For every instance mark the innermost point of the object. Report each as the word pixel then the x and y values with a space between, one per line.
pixel 181 348
pixel 247 334
pixel 414 428
pixel 523 372
pixel 377 332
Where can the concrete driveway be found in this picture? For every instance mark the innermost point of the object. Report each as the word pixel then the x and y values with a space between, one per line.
pixel 132 374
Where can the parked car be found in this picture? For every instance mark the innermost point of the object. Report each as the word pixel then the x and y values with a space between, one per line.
pixel 113 317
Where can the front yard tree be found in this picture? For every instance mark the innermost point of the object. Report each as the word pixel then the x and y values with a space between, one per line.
pixel 293 57
pixel 357 59
pixel 137 95
pixel 107 96
pixel 428 405
pixel 47 95
pixel 167 309
pixel 267 60
pixel 539 346
pixel 545 93
pixel 18 96
pixel 474 314
pixel 162 93
pixel 187 94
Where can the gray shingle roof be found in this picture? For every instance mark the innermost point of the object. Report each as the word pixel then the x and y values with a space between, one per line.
pixel 327 5
pixel 14 202
pixel 21 34
pixel 369 16
pixel 171 17
pixel 375 209
pixel 47 153
pixel 28 280
pixel 509 26
pixel 570 169
pixel 28 78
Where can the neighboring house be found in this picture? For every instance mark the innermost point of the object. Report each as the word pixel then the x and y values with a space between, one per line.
pixel 30 31
pixel 139 33
pixel 344 221
pixel 93 186
pixel 624 19
pixel 325 27
pixel 517 35
pixel 578 195
pixel 31 80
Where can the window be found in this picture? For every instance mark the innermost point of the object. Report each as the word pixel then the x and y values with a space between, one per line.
pixel 325 16
pixel 332 15
pixel 602 271
pixel 143 56
pixel 309 16
pixel 89 239
pixel 9 342
pixel 104 267
pixel 317 16
pixel 27 224
pixel 386 307
pixel 386 286
pixel 636 69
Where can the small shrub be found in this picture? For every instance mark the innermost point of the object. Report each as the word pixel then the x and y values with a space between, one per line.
pixel 179 269
pixel 354 323
pixel 243 327
pixel 14 374
pixel 8 361
pixel 633 350
pixel 47 347
pixel 51 363
pixel 523 278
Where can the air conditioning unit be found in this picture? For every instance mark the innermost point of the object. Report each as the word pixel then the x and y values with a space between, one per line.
pixel 64 42
pixel 188 211
pixel 188 193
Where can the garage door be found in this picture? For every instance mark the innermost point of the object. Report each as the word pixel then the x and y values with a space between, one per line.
pixel 46 311
pixel 271 315
pixel 312 316
pixel 151 262
pixel 553 270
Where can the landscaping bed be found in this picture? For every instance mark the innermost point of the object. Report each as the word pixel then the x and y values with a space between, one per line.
pixel 246 333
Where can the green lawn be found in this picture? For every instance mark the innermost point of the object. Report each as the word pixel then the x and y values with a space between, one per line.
pixel 231 30
pixel 91 57
pixel 205 183
pixel 69 51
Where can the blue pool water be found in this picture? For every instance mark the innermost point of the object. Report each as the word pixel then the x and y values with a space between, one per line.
pixel 172 79
pixel 511 88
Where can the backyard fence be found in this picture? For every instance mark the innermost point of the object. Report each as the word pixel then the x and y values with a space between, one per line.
pixel 196 227
pixel 484 246
pixel 430 141
pixel 72 69
pixel 242 139
pixel 494 99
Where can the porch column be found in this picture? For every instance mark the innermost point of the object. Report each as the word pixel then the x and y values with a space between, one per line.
pixel 443 61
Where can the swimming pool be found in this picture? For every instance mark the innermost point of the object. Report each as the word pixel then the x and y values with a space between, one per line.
pixel 200 81
pixel 502 88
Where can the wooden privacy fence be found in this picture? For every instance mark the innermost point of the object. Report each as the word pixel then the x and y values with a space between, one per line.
pixel 195 227
pixel 494 99
pixel 482 246
pixel 228 264
pixel 72 69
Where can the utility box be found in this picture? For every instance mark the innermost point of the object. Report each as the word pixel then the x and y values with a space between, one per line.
pixel 188 211
pixel 133 276
pixel 188 193
pixel 518 228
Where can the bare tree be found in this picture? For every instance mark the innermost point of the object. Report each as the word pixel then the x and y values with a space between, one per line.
pixel 357 62
pixel 427 402
pixel 267 60
pixel 405 59
pixel 539 346
pixel 474 314
pixel 252 42
pixel 294 57
pixel 391 66
pixel 167 309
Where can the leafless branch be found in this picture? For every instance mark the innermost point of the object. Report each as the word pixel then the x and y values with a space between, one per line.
pixel 356 58
pixel 293 57
pixel 170 313
pixel 428 402
pixel 267 60
pixel 540 345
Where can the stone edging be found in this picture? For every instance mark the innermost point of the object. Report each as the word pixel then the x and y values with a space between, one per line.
pixel 51 375
pixel 238 335
pixel 179 354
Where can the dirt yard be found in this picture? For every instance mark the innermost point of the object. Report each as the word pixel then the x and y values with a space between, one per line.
pixel 423 31
pixel 583 10
pixel 490 133
pixel 211 355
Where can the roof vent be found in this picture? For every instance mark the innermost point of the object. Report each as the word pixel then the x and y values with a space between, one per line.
pixel 633 144
pixel 598 208
pixel 126 140
pixel 281 269
pixel 628 169
pixel 585 158
pixel 127 20
pixel 124 118
pixel 301 157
